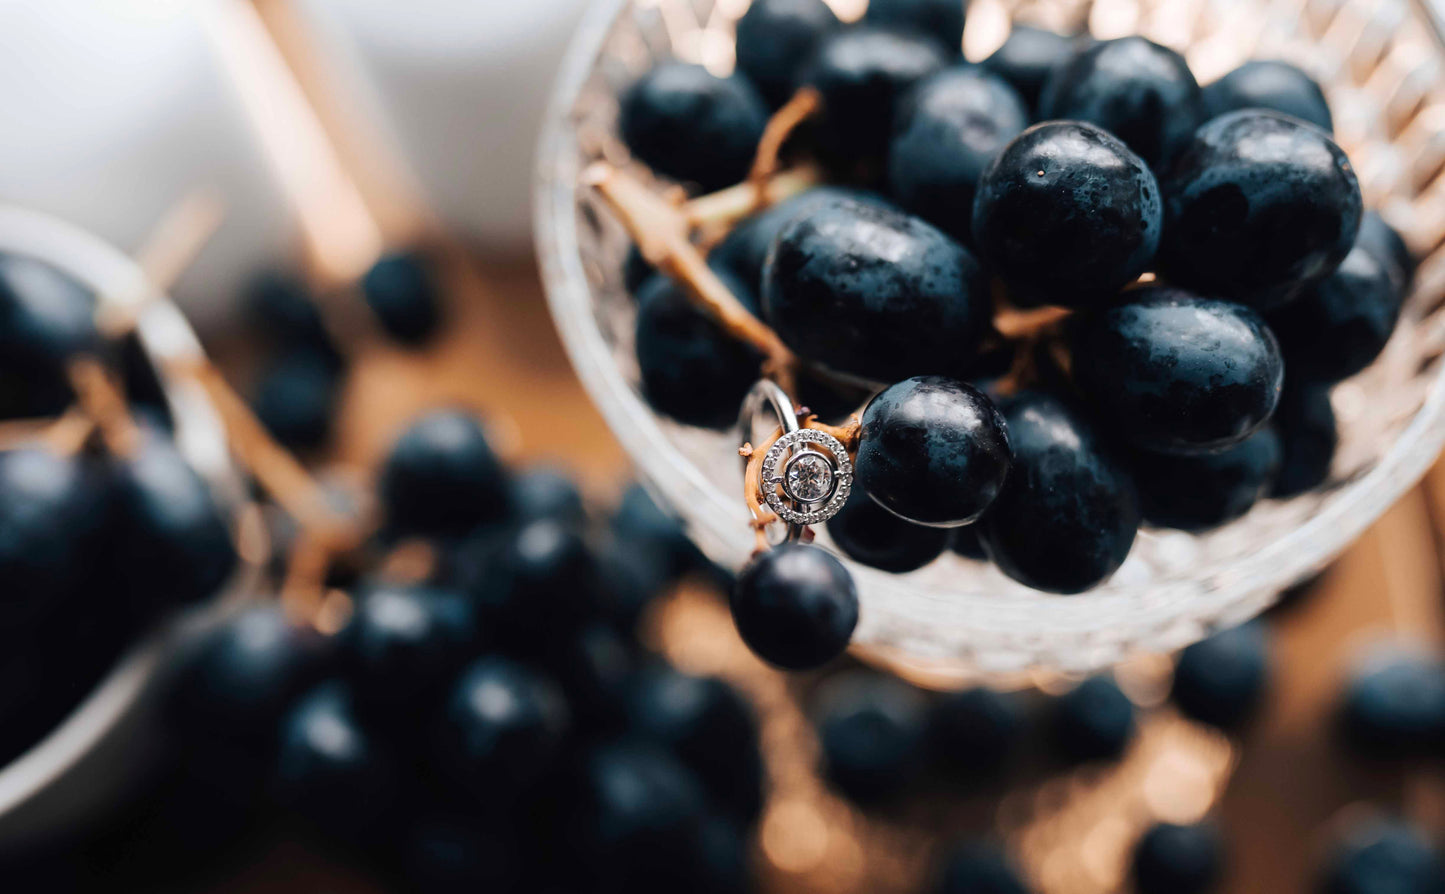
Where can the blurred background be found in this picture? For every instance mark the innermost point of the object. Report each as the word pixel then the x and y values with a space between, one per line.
pixel 332 131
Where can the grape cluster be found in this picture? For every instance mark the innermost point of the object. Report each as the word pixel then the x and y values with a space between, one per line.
pixel 493 723
pixel 299 388
pixel 884 744
pixel 1080 291
pixel 105 527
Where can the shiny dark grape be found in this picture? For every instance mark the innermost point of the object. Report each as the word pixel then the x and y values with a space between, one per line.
pixel 775 38
pixel 862 74
pixel 1222 680
pixel 631 575
pixel 236 680
pixel 1270 84
pixel 330 768
pixel 870 534
pixel 872 732
pixel 1377 237
pixel 283 313
pixel 1092 721
pixel 296 400
pixel 639 523
pixel 692 369
pixel 795 606
pixel 933 451
pixel 972 733
pixel 745 250
pixel 403 643
pixel 707 724
pixel 938 20
pixel 979 868
pixel 46 317
pixel 442 477
pixel 1196 493
pixel 541 493
pixel 48 510
pixel 402 293
pixel 1382 855
pixel 1393 705
pixel 1340 325
pixel 533 582
pixel 691 125
pixel 947 131
pixel 1066 518
pixel 1177 859
pixel 641 814
pixel 1308 436
pixel 502 728
pixel 1029 57
pixel 593 664
pixel 1067 215
pixel 1178 373
pixel 1258 208
pixel 1139 91
pixel 169 539
pixel 873 292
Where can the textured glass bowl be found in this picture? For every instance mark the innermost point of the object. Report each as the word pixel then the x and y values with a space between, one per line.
pixel 1380 61
pixel 87 761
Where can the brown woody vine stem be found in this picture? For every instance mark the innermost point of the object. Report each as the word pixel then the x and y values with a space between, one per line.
pixel 662 235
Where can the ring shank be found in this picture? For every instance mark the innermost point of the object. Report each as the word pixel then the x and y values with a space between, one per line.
pixel 768 394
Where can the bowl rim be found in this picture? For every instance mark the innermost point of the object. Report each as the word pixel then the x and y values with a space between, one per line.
pixel 200 437
pixel 726 537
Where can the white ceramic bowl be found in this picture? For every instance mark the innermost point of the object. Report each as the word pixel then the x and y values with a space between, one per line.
pixel 1380 62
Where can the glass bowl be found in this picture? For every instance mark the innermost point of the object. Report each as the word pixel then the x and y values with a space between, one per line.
pixel 956 620
pixel 86 762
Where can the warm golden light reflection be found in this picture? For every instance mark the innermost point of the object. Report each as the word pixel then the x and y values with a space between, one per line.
pixel 1072 831
pixel 794 836
pixel 1086 823
pixel 336 609
pixel 1146 679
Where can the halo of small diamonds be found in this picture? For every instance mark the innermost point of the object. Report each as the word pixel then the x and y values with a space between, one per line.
pixel 777 457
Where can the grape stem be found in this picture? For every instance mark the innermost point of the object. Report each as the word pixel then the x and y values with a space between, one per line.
pixel 102 401
pixel 1030 329
pixel 303 588
pixel 64 435
pixel 661 232
pixel 753 488
pixel 1014 324
pixel 848 433
pixel 724 208
pixel 280 473
pixel 804 104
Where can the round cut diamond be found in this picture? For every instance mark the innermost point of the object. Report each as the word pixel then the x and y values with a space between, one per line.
pixel 809 477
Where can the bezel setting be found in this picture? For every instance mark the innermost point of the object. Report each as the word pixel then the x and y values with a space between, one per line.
pixel 783 451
